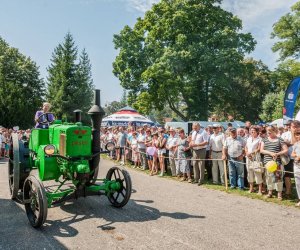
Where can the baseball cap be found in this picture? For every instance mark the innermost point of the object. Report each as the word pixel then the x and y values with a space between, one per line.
pixel 232 129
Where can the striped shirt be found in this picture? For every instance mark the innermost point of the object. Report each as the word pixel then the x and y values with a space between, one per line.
pixel 273 147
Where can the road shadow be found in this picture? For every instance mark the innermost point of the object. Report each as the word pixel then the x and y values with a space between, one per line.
pixel 17 233
pixel 134 211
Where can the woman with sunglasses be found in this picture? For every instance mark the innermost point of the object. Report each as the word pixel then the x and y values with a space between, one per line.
pixel 272 147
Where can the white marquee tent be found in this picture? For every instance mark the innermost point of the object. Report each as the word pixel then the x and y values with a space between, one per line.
pixel 124 117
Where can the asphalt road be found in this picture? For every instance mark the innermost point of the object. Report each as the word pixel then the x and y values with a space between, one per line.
pixel 162 214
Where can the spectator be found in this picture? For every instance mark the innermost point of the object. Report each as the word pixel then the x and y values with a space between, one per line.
pixel 135 153
pixel 216 144
pixel 155 144
pixel 142 147
pixel 171 146
pixel 253 156
pixel 296 156
pixel 150 150
pixel 198 144
pixel 208 163
pixel 183 155
pixel 234 150
pixel 272 147
pixel 121 142
pixel 287 138
pixel 161 151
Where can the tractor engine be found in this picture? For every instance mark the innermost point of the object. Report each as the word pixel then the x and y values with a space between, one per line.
pixel 65 149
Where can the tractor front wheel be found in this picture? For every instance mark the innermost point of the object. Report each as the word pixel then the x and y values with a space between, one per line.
pixel 121 197
pixel 35 200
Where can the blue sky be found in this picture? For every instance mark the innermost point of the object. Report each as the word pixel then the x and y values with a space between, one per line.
pixel 36 27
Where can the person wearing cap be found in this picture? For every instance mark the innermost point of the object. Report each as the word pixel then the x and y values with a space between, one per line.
pixel 198 144
pixel 216 144
pixel 171 146
pixel 233 150
pixel 229 126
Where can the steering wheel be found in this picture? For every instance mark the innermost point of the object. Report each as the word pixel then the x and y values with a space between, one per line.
pixel 44 118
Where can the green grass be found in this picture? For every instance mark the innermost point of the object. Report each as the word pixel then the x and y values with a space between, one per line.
pixel 209 185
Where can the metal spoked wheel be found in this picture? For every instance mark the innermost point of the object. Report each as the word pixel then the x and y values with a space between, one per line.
pixel 122 196
pixel 14 167
pixel 35 201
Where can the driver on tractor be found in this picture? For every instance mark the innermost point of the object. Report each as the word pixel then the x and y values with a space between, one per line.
pixel 42 117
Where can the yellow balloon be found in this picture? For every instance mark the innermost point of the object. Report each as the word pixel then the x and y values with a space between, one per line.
pixel 271 166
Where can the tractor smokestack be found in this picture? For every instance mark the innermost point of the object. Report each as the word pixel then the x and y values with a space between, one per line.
pixel 77 115
pixel 96 113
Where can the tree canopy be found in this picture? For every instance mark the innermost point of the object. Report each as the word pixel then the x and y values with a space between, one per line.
pixel 70 84
pixel 21 88
pixel 287 31
pixel 182 54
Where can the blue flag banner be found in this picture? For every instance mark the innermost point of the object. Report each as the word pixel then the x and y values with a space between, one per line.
pixel 290 98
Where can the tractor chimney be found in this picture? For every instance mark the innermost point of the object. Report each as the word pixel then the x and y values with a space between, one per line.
pixel 77 115
pixel 96 113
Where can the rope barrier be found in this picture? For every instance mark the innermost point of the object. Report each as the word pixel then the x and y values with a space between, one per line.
pixel 191 159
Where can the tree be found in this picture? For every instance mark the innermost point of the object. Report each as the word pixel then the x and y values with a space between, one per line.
pixel 287 31
pixel 179 54
pixel 21 88
pixel 70 83
pixel 284 73
pixel 272 106
pixel 244 96
pixel 85 86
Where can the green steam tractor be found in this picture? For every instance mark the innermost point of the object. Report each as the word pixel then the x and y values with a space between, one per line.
pixel 69 154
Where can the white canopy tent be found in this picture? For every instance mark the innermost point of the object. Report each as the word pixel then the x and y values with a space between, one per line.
pixel 124 117
pixel 278 122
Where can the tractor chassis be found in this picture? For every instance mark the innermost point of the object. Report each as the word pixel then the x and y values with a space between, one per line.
pixel 106 188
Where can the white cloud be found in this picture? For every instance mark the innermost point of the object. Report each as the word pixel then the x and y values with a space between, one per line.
pixel 141 5
pixel 258 17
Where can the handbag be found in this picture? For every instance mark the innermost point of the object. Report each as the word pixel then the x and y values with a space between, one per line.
pixel 257 165
pixel 285 159
pixel 188 153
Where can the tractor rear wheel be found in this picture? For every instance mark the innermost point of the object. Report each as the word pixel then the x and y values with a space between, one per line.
pixel 14 167
pixel 18 164
pixel 35 200
pixel 121 197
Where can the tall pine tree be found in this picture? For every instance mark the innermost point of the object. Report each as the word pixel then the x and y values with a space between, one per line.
pixel 70 82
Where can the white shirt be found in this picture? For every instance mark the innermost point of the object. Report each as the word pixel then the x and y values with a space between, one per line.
pixel 287 137
pixel 252 144
pixel 171 142
pixel 235 146
pixel 141 141
pixel 216 142
pixel 199 137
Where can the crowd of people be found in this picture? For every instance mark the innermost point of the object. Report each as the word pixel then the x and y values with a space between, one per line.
pixel 5 135
pixel 202 153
